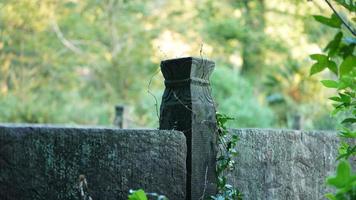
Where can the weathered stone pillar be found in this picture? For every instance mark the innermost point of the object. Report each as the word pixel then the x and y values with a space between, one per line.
pixel 119 116
pixel 187 106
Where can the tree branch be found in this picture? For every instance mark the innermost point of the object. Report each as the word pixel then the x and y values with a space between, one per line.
pixel 64 41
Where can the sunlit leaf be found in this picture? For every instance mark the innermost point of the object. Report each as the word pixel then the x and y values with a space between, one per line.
pixel 345 98
pixel 318 57
pixel 330 196
pixel 330 83
pixel 333 21
pixel 322 63
pixel 138 195
pixel 346 81
pixel 336 99
pixel 343 175
pixel 316 68
pixel 348 134
pixel 347 65
pixel 332 66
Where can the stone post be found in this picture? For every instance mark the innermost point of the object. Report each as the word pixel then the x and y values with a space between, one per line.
pixel 187 106
pixel 119 116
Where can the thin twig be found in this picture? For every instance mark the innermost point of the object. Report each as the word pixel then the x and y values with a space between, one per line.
pixel 201 50
pixel 342 19
pixel 149 91
pixel 202 62
pixel 180 101
pixel 162 52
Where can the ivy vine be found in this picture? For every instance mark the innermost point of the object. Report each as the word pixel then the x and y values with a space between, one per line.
pixel 225 161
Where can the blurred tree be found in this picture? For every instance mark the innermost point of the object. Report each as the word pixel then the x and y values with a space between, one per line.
pixel 239 101
pixel 71 61
pixel 88 49
pixel 253 52
pixel 291 93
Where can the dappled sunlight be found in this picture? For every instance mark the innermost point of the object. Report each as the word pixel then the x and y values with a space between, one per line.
pixel 171 45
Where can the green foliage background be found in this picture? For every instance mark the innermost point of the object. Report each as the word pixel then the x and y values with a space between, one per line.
pixel 71 61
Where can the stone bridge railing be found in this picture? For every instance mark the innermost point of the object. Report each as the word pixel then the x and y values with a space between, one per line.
pixel 284 164
pixel 44 162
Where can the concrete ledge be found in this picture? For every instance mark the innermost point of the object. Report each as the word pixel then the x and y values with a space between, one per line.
pixel 44 162
pixel 284 164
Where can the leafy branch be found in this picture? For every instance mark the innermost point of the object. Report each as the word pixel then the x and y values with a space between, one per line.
pixel 340 59
pixel 349 7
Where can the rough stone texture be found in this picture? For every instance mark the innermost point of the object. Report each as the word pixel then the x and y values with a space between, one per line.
pixel 187 106
pixel 284 164
pixel 38 162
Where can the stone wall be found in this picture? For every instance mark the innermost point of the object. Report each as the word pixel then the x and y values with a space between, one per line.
pixel 284 164
pixel 44 162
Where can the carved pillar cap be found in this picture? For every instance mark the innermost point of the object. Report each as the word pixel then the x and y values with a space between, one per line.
pixel 183 71
pixel 119 108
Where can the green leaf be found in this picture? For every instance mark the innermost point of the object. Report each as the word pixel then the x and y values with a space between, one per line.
pixel 348 134
pixel 333 21
pixel 347 65
pixel 349 120
pixel 345 151
pixel 347 50
pixel 316 68
pixel 322 63
pixel 343 148
pixel 333 45
pixel 335 111
pixel 338 99
pixel 138 195
pixel 346 81
pixel 349 5
pixel 343 174
pixel 332 66
pixel 318 57
pixel 222 119
pixel 330 196
pixel 345 98
pixel 330 83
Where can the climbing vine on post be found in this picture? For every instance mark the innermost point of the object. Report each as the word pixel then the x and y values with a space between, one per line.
pixel 225 161
pixel 339 57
